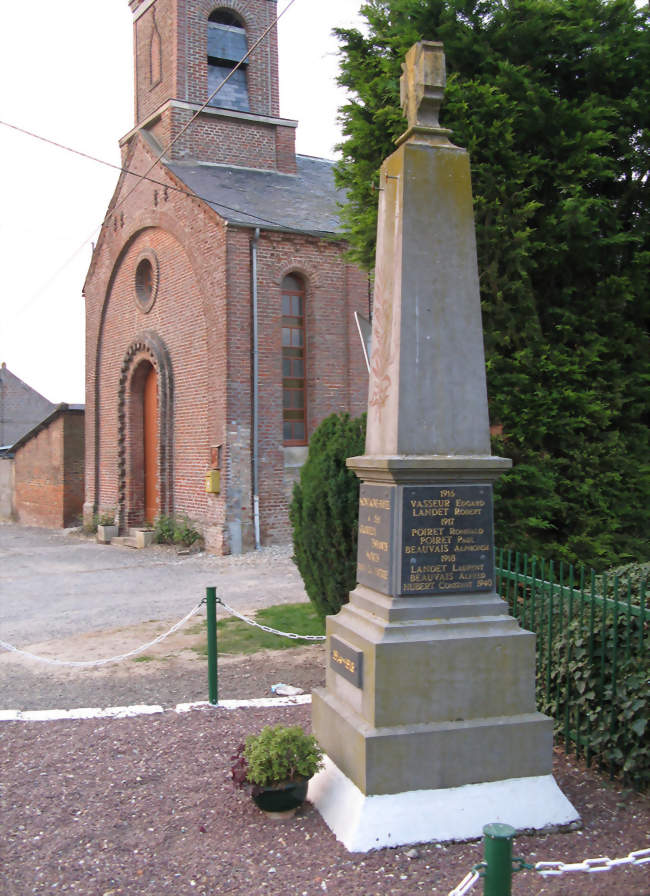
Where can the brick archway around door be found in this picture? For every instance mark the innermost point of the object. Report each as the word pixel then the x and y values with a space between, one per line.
pixel 147 347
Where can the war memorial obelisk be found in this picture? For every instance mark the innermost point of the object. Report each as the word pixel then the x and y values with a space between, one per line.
pixel 428 715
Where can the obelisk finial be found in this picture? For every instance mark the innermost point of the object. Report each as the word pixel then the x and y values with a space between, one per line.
pixel 422 88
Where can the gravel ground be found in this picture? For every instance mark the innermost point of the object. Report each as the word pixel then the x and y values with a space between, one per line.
pixel 57 584
pixel 166 682
pixel 62 596
pixel 145 806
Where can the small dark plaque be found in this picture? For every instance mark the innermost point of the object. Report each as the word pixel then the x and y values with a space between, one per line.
pixel 347 661
pixel 375 532
pixel 447 539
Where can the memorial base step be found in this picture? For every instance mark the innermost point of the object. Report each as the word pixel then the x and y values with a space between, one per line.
pixel 362 823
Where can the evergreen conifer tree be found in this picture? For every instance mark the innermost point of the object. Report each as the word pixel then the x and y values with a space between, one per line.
pixel 324 513
pixel 552 100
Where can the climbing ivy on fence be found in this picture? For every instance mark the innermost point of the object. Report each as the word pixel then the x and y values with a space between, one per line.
pixel 593 658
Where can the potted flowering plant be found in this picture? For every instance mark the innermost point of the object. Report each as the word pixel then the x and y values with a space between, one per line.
pixel 276 765
pixel 106 528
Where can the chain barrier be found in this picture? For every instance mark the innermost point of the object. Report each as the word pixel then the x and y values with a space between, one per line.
pixel 266 628
pixel 112 659
pixel 592 866
pixel 555 868
pixel 467 882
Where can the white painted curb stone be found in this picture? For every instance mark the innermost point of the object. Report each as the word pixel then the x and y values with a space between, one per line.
pixel 123 712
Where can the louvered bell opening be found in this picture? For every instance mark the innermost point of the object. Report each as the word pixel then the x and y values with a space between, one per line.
pixel 226 47
pixel 233 94
pixel 226 43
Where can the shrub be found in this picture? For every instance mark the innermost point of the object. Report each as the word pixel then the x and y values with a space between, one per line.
pixel 276 755
pixel 107 518
pixel 184 531
pixel 175 530
pixel 324 513
pixel 605 709
pixel 163 528
pixel 632 576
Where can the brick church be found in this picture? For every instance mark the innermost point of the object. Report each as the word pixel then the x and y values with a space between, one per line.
pixel 220 306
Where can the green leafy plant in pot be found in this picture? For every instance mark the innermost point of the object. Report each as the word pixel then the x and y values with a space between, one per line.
pixel 276 765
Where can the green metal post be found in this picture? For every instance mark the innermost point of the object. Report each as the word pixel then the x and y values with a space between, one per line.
pixel 497 852
pixel 213 687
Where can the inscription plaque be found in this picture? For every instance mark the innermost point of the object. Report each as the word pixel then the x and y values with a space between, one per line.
pixel 447 539
pixel 347 661
pixel 374 553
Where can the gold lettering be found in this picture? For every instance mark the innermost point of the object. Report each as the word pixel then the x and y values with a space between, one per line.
pixel 349 664
pixel 367 530
pixel 380 503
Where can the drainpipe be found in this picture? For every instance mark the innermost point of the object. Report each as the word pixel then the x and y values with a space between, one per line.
pixel 256 497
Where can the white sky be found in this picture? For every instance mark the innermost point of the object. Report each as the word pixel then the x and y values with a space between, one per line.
pixel 66 73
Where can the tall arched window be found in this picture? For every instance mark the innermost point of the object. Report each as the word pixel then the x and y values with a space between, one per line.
pixel 294 405
pixel 226 47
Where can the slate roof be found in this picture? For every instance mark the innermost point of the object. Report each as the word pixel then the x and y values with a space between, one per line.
pixel 306 202
pixel 21 407
pixel 57 410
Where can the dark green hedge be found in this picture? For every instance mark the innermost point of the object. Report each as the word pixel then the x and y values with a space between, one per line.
pixel 324 513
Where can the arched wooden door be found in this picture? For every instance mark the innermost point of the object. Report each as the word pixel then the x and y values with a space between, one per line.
pixel 151 448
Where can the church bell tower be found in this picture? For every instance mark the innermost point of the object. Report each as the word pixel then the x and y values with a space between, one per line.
pixel 184 51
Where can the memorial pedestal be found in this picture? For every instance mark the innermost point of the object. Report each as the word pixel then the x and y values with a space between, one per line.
pixel 429 695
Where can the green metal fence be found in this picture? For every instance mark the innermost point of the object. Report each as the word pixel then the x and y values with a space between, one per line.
pixel 592 650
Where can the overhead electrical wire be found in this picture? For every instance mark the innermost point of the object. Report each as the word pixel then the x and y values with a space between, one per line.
pixel 142 177
pixel 159 183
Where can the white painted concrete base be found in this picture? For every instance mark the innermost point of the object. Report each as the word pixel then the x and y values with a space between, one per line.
pixel 363 823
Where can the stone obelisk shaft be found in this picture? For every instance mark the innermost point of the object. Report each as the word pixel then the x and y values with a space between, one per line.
pixel 427 391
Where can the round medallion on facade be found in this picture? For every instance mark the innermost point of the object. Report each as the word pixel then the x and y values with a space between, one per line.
pixel 146 280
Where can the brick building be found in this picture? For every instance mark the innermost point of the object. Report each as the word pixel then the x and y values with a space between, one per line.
pixel 219 305
pixel 42 472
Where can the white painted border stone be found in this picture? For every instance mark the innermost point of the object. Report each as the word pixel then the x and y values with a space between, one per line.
pixel 363 823
pixel 123 712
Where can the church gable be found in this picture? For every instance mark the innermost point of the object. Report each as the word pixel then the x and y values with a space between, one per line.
pixel 148 198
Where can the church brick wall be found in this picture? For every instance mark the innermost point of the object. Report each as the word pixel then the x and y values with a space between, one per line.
pixel 235 141
pixel 182 29
pixel 262 67
pixel 188 315
pixel 336 376
pixel 223 139
pixel 160 18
